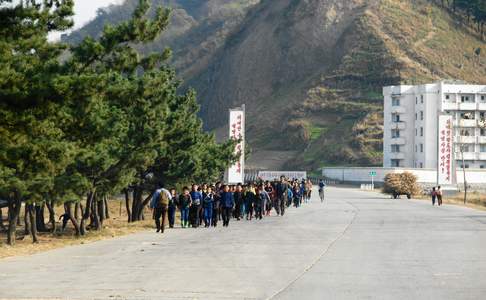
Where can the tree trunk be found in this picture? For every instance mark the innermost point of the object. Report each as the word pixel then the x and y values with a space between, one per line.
pixel 32 221
pixel 2 226
pixel 127 204
pixel 13 217
pixel 39 217
pixel 94 214
pixel 87 212
pixel 101 210
pixel 52 215
pixel 78 208
pixel 74 221
pixel 107 208
pixel 26 220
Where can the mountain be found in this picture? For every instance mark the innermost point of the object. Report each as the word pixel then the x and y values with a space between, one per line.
pixel 309 71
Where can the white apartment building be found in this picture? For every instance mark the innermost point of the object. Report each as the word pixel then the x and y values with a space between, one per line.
pixel 411 114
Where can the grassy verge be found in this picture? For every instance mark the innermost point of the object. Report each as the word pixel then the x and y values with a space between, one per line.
pixel 475 200
pixel 115 226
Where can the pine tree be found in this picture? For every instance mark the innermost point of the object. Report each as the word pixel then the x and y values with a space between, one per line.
pixel 32 149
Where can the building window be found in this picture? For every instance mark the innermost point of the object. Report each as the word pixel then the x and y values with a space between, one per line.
pixel 447 97
pixel 416 148
pixel 483 98
pixel 481 115
pixel 422 115
pixel 421 131
pixel 465 99
pixel 395 163
pixel 468 115
pixel 395 133
pixel 421 165
pixel 416 100
pixel 415 116
pixel 481 166
pixel 421 148
pixel 396 118
pixel 466 166
pixel 482 148
pixel 395 102
pixel 395 148
pixel 465 132
pixel 416 131
pixel 482 132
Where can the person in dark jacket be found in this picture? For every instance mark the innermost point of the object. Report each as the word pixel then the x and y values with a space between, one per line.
pixel 270 191
pixel 238 196
pixel 172 207
pixel 297 195
pixel 208 204
pixel 249 198
pixel 227 204
pixel 194 212
pixel 282 195
pixel 216 206
pixel 184 203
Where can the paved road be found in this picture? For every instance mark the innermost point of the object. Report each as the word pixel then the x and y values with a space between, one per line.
pixel 360 245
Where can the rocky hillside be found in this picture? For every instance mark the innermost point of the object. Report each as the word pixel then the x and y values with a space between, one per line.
pixel 310 71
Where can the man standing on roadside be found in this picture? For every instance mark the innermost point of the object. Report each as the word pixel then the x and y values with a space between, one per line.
pixel 160 202
pixel 282 196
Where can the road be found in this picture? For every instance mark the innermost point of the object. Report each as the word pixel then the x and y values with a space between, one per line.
pixel 360 245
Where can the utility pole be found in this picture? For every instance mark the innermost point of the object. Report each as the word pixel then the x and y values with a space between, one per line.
pixel 461 148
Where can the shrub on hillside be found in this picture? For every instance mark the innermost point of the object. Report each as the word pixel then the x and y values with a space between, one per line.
pixel 401 184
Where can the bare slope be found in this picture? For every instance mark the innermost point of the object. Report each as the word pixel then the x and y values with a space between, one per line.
pixel 311 71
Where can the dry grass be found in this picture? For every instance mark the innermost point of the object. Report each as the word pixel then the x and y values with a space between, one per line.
pixel 116 226
pixel 475 200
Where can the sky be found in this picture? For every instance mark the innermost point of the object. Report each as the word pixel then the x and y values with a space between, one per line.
pixel 84 11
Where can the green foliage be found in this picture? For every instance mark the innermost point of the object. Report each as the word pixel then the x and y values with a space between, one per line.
pixel 103 119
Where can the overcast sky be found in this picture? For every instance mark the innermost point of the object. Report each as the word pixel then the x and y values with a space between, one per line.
pixel 84 11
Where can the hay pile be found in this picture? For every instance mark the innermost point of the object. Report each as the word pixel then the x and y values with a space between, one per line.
pixel 401 183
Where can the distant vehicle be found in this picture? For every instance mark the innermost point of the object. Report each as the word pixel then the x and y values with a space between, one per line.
pixel 398 184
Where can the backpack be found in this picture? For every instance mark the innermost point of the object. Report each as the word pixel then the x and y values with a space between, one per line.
pixel 163 199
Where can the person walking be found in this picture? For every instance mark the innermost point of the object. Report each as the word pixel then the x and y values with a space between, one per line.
pixel 433 194
pixel 282 196
pixel 172 207
pixel 227 203
pixel 160 203
pixel 194 211
pixel 238 196
pixel 249 199
pixel 185 202
pixel 269 190
pixel 322 185
pixel 208 203
pixel 216 206
pixel 297 195
pixel 439 196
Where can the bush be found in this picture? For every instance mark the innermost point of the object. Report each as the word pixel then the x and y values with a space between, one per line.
pixel 401 184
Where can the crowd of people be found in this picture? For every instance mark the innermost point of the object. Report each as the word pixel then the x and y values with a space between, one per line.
pixel 206 205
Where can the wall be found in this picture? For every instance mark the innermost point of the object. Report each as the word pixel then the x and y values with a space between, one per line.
pixel 428 176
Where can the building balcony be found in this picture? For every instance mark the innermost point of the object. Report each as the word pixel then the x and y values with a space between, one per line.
pixel 467 156
pixel 467 106
pixel 482 139
pixel 398 110
pixel 397 141
pixel 465 139
pixel 450 106
pixel 482 156
pixel 482 106
pixel 467 123
pixel 397 155
pixel 397 125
